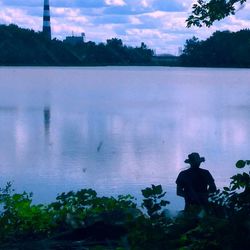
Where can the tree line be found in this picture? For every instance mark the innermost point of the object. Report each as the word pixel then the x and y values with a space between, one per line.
pixel 222 49
pixel 26 47
pixel 22 47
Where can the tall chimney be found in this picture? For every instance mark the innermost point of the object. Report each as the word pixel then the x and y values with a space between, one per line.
pixel 46 20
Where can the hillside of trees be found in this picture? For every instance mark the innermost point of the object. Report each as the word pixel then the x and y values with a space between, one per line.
pixel 222 49
pixel 26 47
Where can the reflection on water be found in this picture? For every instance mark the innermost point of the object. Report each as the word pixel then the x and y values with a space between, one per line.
pixel 46 115
pixel 118 130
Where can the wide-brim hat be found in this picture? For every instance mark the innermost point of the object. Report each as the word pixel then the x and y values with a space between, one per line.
pixel 194 157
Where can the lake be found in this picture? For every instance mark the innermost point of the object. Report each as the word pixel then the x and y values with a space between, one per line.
pixel 119 129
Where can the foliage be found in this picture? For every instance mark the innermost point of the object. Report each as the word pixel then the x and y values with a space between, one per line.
pixel 225 224
pixel 206 12
pixel 72 208
pixel 20 218
pixel 146 234
pixel 153 201
pixel 222 49
pixel 26 47
pixel 236 197
pixel 150 232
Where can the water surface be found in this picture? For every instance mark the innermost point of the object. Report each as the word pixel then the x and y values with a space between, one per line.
pixel 119 129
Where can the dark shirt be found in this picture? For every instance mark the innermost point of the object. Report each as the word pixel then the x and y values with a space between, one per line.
pixel 196 183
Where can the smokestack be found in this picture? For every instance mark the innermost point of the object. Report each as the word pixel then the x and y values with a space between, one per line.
pixel 46 20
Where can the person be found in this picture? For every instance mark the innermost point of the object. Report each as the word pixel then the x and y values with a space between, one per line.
pixel 195 183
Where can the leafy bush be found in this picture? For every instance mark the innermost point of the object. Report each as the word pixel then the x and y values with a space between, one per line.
pixel 153 201
pixel 225 225
pixel 236 197
pixel 20 218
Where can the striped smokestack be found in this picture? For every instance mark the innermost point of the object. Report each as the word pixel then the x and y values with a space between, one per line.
pixel 46 20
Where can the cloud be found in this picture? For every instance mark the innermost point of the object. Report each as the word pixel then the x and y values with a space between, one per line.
pixel 18 16
pixel 169 6
pixel 244 12
pixel 115 2
pixel 112 19
pixel 56 3
pixel 18 3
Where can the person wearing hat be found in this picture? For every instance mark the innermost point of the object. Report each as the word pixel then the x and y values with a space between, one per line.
pixel 195 183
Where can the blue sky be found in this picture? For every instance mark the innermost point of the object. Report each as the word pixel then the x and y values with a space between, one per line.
pixel 158 23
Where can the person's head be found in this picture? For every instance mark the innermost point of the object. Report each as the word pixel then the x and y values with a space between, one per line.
pixel 194 160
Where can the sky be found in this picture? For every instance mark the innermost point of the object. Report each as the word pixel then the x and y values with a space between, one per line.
pixel 158 23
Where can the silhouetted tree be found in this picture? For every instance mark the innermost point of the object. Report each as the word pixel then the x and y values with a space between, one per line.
pixel 222 49
pixel 26 47
pixel 205 12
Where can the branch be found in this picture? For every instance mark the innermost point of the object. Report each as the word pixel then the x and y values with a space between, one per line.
pixel 205 12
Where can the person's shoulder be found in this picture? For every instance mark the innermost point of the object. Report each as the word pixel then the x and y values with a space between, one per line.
pixel 181 176
pixel 204 170
pixel 184 172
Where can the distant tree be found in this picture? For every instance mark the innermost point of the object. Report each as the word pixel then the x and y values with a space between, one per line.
pixel 205 12
pixel 143 45
pixel 191 51
pixel 222 49
pixel 114 42
pixel 191 45
pixel 26 47
pixel 116 51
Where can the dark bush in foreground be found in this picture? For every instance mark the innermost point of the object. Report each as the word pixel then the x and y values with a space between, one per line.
pixel 79 220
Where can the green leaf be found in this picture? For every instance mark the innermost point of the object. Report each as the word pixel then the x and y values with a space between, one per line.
pixel 157 189
pixel 162 195
pixel 240 164
pixel 163 203
pixel 155 208
pixel 148 203
pixel 147 192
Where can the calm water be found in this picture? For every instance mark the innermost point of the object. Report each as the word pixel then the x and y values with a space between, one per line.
pixel 119 129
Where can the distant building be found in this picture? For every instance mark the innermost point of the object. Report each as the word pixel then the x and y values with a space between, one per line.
pixel 46 20
pixel 74 40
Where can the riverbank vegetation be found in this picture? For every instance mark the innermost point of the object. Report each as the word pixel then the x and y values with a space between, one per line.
pixel 83 220
pixel 222 49
pixel 21 47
